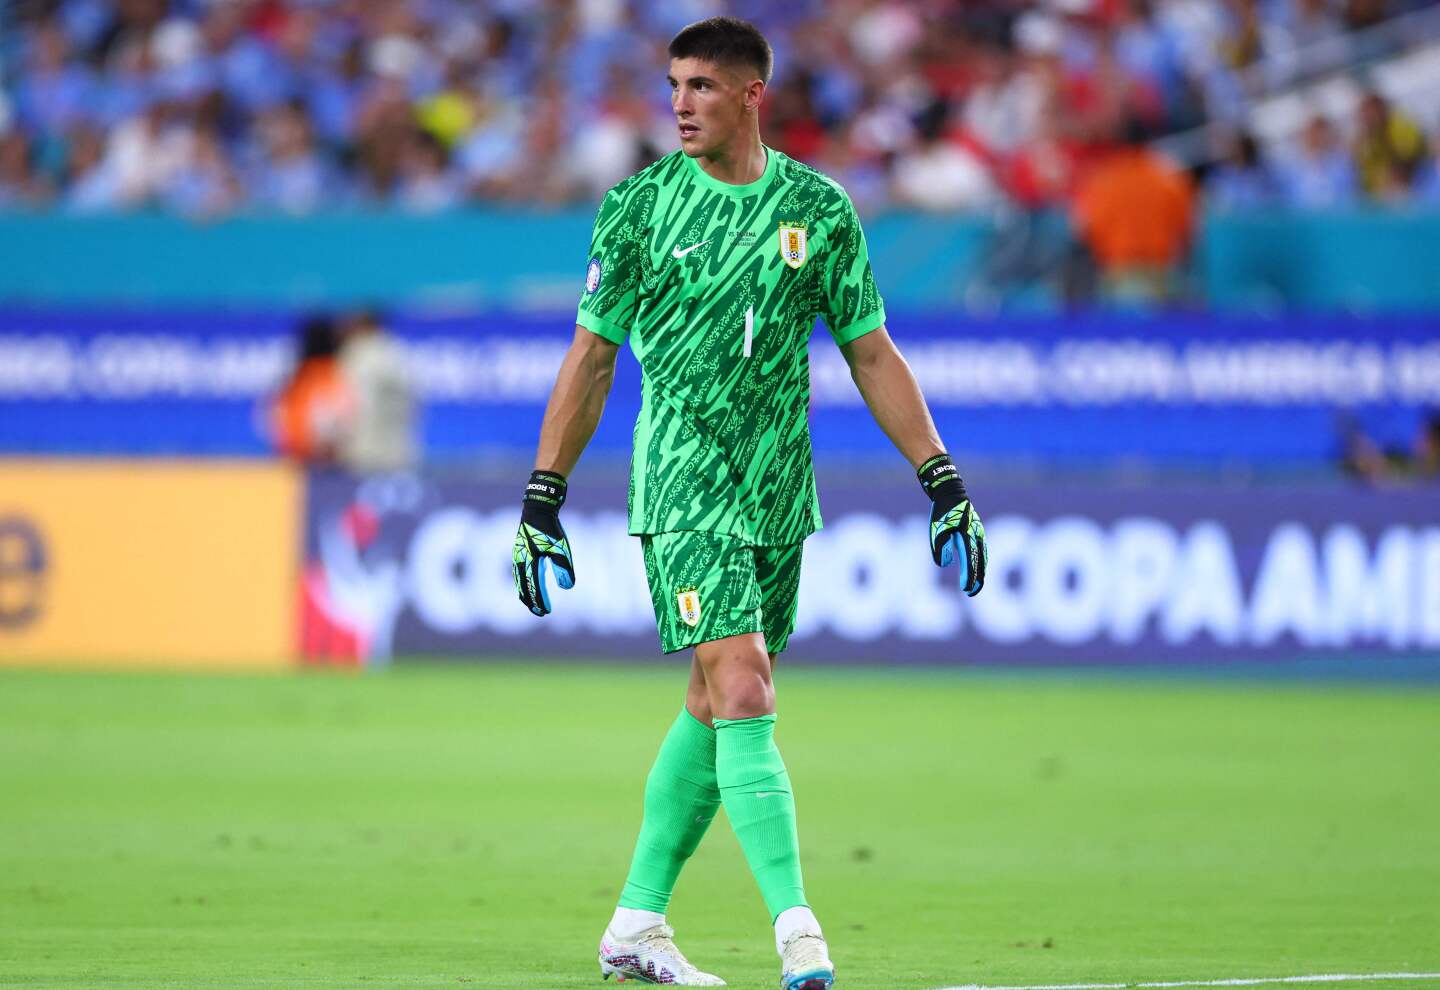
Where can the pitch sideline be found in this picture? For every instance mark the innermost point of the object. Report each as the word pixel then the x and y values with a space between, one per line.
pixel 1241 982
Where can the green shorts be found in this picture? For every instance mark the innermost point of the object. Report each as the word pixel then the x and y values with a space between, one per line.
pixel 706 586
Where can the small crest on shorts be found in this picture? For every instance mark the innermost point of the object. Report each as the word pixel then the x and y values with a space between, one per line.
pixel 794 246
pixel 689 601
pixel 592 275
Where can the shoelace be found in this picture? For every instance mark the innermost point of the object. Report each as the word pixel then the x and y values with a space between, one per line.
pixel 805 949
pixel 661 940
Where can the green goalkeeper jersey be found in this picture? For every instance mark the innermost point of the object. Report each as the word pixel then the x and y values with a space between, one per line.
pixel 717 287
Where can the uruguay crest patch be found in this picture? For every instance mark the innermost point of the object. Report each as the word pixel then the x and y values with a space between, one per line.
pixel 689 602
pixel 794 247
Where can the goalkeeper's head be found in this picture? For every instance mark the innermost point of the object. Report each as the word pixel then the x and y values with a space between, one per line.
pixel 719 69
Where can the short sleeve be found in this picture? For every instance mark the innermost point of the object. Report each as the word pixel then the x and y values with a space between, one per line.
pixel 612 275
pixel 850 302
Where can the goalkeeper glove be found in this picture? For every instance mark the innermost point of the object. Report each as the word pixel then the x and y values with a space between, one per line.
pixel 541 543
pixel 955 528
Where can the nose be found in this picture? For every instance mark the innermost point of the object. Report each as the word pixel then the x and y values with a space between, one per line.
pixel 680 103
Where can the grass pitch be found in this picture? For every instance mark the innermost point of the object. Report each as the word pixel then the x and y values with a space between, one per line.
pixel 446 827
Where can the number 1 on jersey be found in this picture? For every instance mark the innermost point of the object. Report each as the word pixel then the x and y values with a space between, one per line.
pixel 749 328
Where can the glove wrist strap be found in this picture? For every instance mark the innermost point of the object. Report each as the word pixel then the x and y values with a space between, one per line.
pixel 546 488
pixel 939 475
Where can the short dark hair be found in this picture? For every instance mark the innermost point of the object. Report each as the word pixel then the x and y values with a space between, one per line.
pixel 725 41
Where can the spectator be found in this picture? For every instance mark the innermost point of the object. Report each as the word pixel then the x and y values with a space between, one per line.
pixel 426 183
pixel 19 186
pixel 492 155
pixel 864 176
pixel 1032 244
pixel 609 145
pixel 1322 173
pixel 336 92
pixel 450 113
pixel 1367 459
pixel 1042 175
pixel 314 410
pixel 146 152
pixel 1302 26
pixel 1241 181
pixel 1004 108
pixel 313 104
pixel 1152 55
pixel 291 176
pixel 205 186
pixel 1362 14
pixel 1134 214
pixel 90 186
pixel 792 120
pixel 1388 149
pixel 939 174
pixel 1427 181
pixel 1427 448
pixel 1101 99
pixel 1242 45
pixel 56 92
pixel 384 127
pixel 381 430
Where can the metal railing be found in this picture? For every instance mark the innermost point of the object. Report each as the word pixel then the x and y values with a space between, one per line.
pixel 1305 75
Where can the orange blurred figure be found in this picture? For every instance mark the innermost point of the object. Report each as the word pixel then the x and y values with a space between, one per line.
pixel 311 414
pixel 1135 211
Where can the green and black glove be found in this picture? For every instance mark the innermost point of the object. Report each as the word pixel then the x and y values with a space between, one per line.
pixel 541 542
pixel 956 531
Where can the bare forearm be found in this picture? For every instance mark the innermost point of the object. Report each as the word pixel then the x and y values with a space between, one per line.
pixel 575 404
pixel 893 396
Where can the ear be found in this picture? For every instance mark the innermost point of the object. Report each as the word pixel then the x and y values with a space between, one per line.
pixel 754 94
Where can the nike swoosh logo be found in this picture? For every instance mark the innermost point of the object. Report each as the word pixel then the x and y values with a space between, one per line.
pixel 765 794
pixel 676 251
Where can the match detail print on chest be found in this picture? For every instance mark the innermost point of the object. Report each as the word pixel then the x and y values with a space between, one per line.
pixel 720 244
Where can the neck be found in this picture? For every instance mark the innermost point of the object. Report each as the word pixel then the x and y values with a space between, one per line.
pixel 740 162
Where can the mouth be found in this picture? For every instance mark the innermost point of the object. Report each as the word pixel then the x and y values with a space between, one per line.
pixel 688 130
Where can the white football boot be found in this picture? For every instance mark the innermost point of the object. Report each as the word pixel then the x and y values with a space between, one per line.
pixel 805 962
pixel 651 957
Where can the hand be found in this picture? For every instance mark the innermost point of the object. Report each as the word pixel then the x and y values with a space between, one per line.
pixel 540 542
pixel 956 532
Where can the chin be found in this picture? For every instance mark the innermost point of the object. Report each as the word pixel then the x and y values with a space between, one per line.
pixel 695 147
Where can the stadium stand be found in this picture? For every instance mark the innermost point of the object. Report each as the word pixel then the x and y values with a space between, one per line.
pixel 209 107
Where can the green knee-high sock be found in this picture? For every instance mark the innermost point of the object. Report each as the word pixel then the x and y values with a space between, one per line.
pixel 681 798
pixel 755 788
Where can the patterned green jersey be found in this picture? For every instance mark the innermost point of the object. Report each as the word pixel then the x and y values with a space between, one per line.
pixel 717 287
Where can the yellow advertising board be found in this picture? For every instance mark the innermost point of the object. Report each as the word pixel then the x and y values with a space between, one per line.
pixel 147 563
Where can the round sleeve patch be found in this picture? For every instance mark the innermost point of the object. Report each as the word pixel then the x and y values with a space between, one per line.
pixel 592 275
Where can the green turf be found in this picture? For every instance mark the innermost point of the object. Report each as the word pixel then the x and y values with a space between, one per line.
pixel 471 827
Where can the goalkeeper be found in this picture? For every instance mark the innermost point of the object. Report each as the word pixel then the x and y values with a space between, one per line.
pixel 714 262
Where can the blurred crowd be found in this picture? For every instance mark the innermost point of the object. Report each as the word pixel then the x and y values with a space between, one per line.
pixel 208 107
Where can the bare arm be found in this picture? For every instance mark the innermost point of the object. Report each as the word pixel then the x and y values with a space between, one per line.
pixel 891 392
pixel 576 402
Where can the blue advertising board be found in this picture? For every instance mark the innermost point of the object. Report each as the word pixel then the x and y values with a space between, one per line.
pixel 1177 388
pixel 1187 575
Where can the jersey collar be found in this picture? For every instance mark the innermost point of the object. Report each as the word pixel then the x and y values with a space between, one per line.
pixel 748 189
